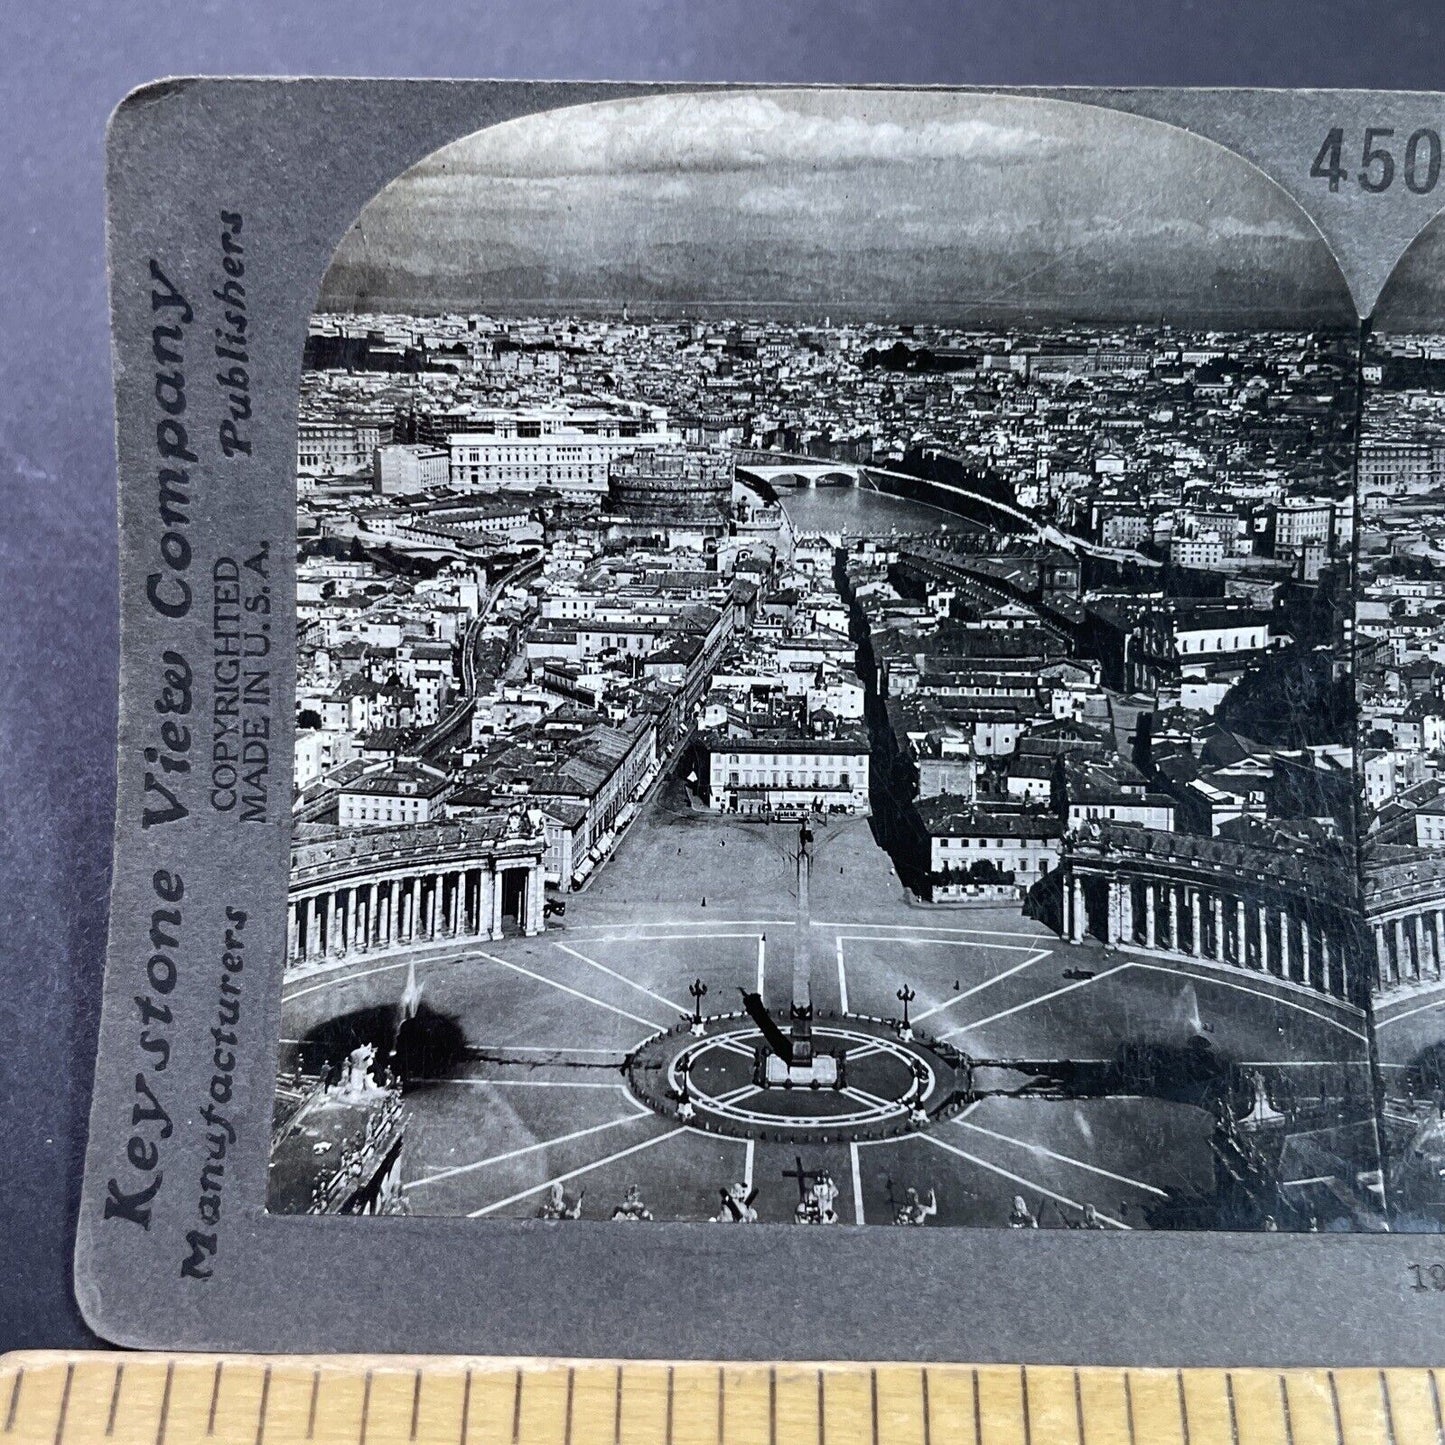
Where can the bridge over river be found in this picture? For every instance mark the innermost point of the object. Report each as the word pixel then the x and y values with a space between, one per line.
pixel 775 469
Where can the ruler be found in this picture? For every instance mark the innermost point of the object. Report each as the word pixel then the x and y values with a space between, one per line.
pixel 154 1399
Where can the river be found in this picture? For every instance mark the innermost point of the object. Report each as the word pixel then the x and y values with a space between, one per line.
pixel 863 511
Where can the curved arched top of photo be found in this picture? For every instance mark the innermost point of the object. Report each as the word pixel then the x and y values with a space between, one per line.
pixel 1413 299
pixel 908 205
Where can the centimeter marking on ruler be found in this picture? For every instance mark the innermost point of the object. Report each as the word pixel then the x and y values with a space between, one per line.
pixel 74 1399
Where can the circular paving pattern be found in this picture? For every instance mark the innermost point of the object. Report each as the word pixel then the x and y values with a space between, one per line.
pixel 885 1084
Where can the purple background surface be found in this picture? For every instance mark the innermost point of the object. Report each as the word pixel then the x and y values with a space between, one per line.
pixel 64 67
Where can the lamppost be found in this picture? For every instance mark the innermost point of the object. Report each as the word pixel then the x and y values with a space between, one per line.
pixel 698 989
pixel 906 996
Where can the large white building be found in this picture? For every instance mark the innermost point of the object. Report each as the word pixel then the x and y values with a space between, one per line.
pixel 1205 631
pixel 568 449
pixel 401 467
pixel 406 792
pixel 331 447
pixel 789 774
pixel 969 845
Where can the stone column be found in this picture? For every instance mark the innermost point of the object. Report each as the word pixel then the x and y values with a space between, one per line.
pixel 1111 912
pixel 293 930
pixel 486 885
pixel 413 909
pixel 1196 922
pixel 1397 927
pixel 1382 955
pixel 1286 963
pixel 536 885
pixel 1078 916
pixel 1174 945
pixel 1306 951
pixel 1217 902
pixel 1262 930
pixel 497 903
pixel 458 902
pixel 1241 955
pixel 1151 915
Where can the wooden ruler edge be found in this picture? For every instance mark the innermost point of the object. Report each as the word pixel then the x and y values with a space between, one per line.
pixel 41 1390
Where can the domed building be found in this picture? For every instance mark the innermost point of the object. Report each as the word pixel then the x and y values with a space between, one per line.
pixel 672 486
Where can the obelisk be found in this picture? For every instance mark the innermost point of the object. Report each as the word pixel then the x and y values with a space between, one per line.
pixel 801 1012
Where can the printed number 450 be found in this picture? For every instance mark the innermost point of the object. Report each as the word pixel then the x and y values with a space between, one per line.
pixel 1420 166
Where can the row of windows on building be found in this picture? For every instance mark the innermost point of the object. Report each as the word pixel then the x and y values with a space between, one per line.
pixel 788 760
pixel 531 472
pixel 388 811
pixel 493 455
pixel 532 430
pixel 1236 643
pixel 762 778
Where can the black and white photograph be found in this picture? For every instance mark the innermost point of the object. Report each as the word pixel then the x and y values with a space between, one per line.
pixel 829 686
pixel 1400 684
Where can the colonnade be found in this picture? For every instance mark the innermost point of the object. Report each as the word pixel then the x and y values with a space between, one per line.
pixel 1410 947
pixel 344 918
pixel 1211 924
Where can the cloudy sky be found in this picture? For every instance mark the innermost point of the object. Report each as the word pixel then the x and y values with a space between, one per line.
pixel 851 202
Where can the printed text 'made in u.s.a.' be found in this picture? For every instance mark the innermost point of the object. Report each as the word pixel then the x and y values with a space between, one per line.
pixel 241 686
